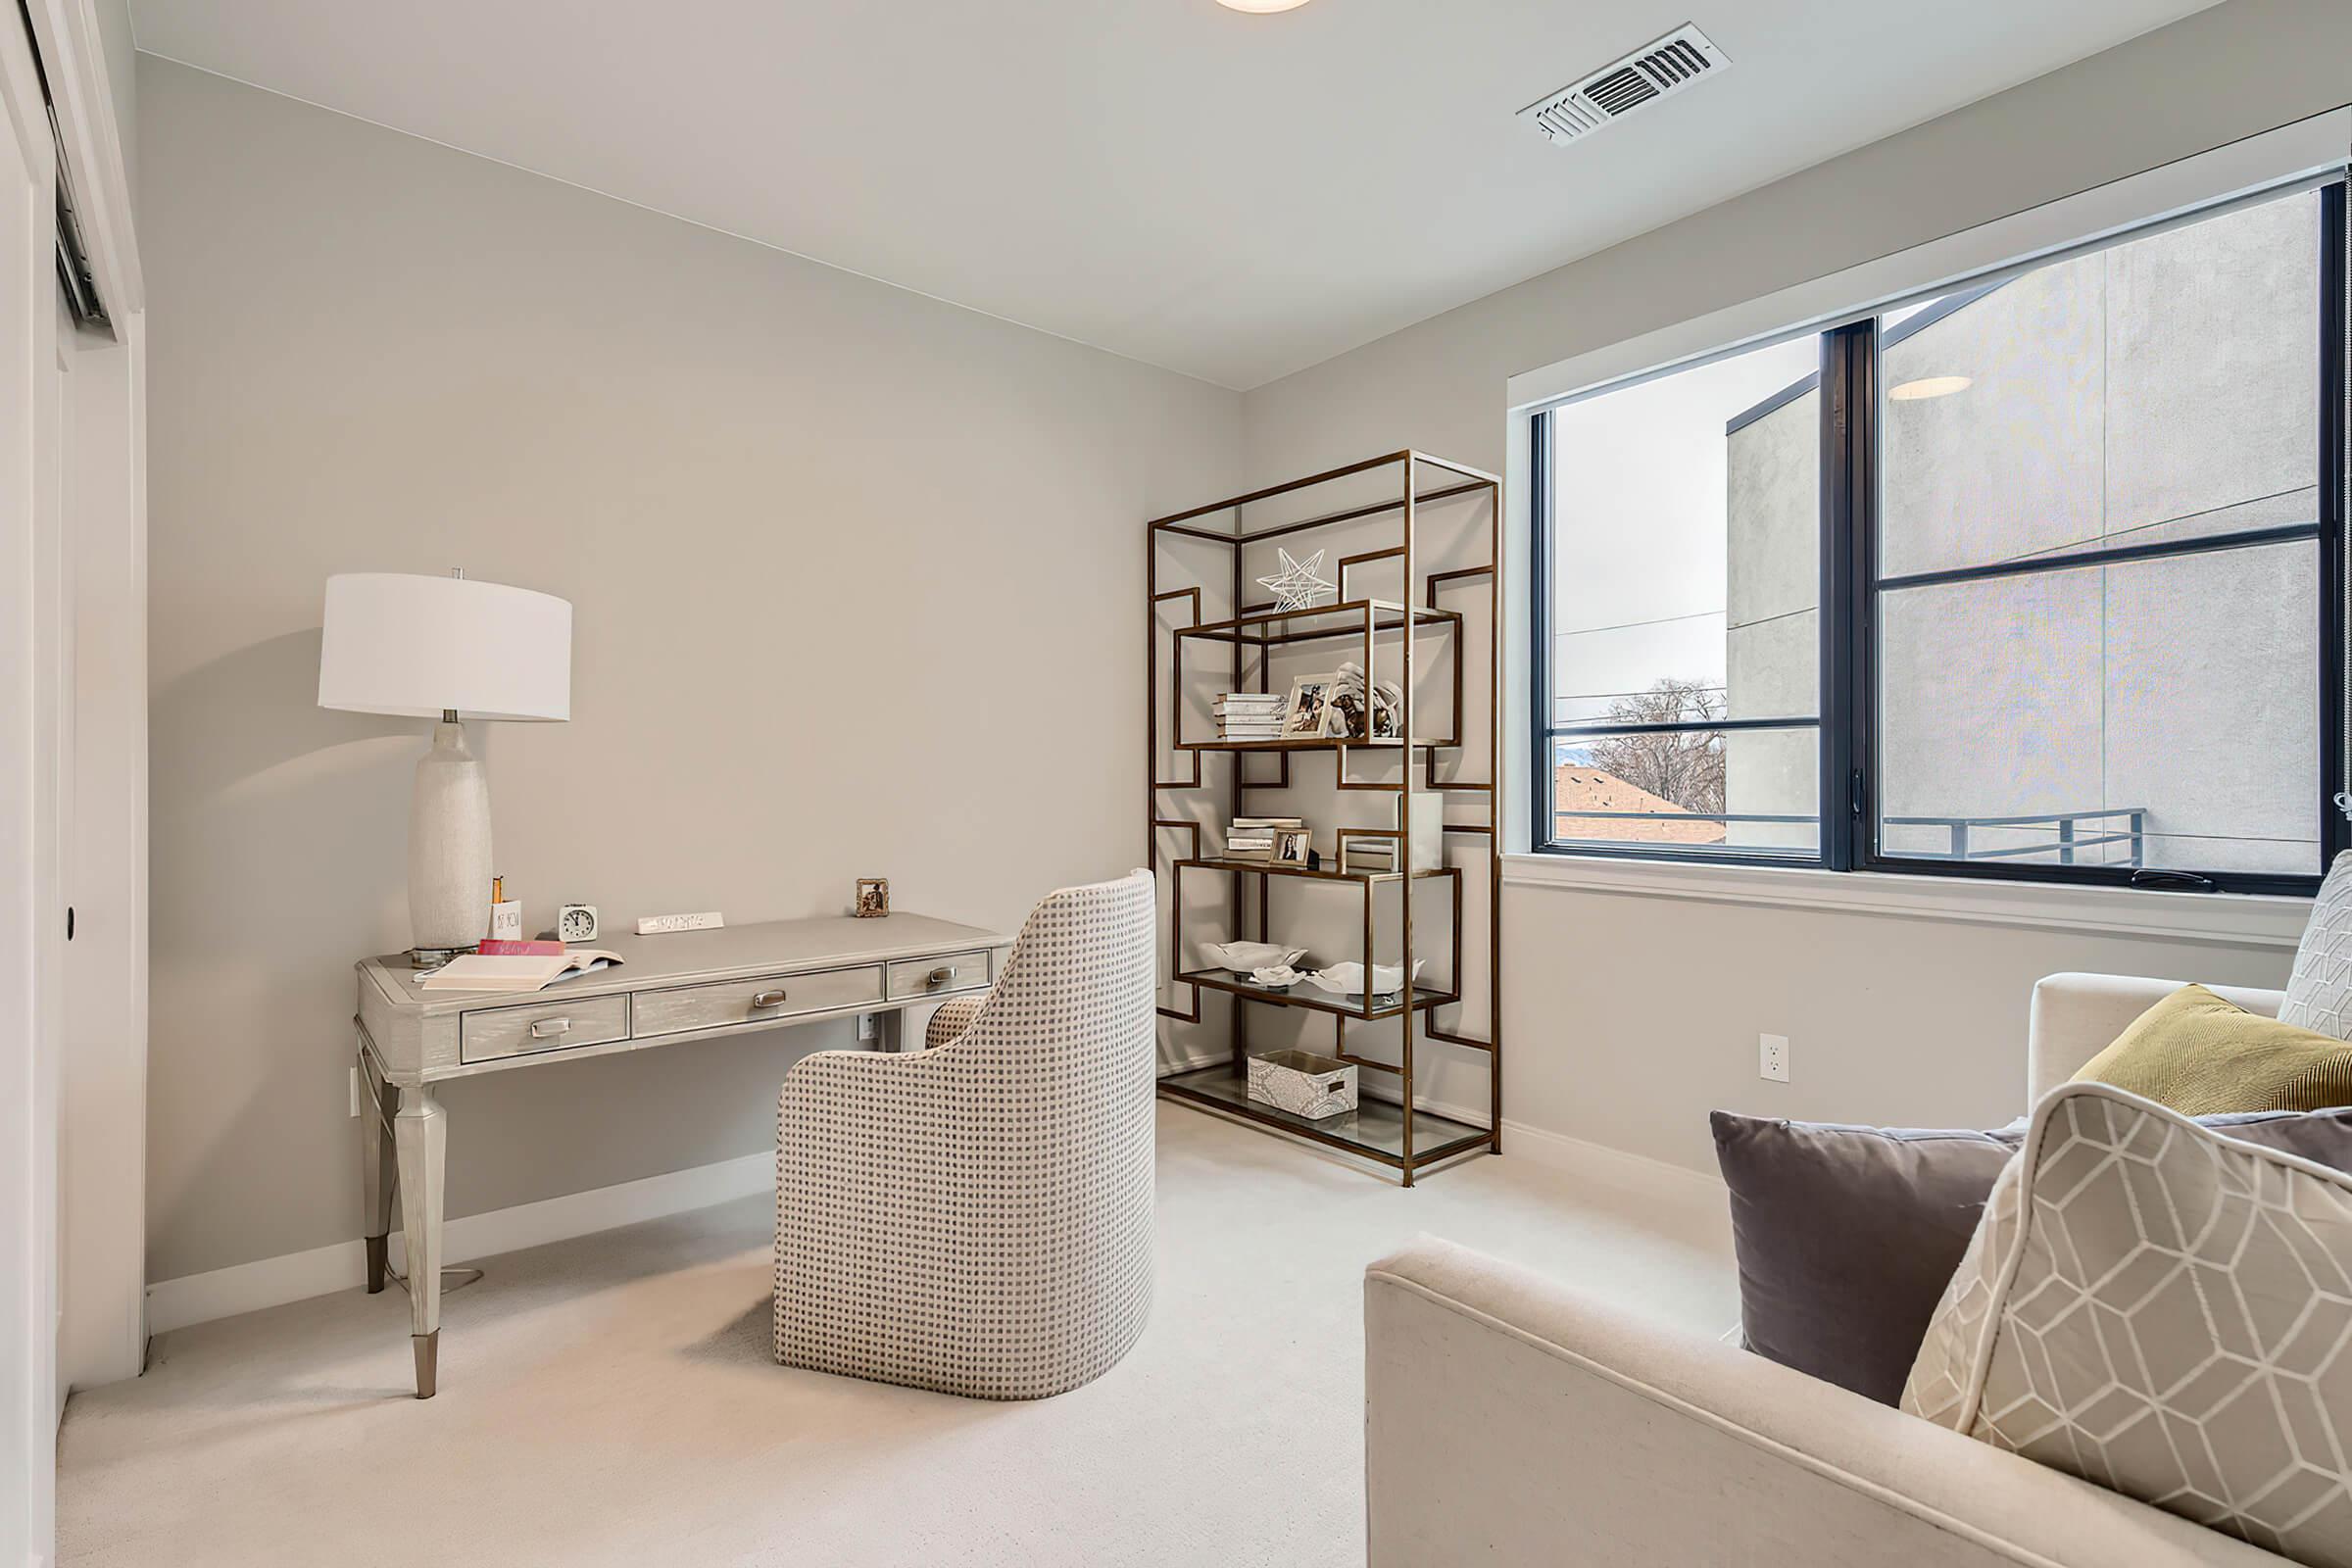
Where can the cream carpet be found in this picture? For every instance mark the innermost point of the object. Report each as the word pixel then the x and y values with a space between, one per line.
pixel 611 1400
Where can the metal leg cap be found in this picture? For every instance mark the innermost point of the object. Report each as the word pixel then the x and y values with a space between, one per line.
pixel 428 1354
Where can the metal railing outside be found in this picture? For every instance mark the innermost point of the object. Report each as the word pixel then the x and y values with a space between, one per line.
pixel 2067 837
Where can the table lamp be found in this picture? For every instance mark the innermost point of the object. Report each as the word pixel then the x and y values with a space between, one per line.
pixel 453 649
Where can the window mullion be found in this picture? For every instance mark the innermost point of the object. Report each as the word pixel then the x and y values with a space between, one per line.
pixel 1847 517
pixel 2335 495
pixel 1539 812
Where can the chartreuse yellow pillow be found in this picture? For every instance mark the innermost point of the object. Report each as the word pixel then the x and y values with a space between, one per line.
pixel 2203 1056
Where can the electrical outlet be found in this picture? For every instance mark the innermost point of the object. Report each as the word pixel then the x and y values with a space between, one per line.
pixel 866 1026
pixel 355 1091
pixel 1772 1058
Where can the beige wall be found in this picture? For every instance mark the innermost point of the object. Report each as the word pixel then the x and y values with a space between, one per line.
pixel 1646 1011
pixel 856 576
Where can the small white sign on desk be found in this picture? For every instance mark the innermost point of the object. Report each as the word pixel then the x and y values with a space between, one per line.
pixel 654 925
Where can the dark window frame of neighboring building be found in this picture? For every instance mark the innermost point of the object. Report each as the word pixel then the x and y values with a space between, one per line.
pixel 1850 586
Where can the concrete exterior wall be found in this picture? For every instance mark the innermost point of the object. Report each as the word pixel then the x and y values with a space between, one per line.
pixel 1772 621
pixel 2163 388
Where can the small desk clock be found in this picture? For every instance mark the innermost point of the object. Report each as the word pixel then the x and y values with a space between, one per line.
pixel 576 922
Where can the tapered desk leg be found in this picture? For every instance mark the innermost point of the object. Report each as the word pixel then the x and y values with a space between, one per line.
pixel 421 1132
pixel 379 1167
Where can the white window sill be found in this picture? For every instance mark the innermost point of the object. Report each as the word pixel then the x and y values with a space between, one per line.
pixel 2236 919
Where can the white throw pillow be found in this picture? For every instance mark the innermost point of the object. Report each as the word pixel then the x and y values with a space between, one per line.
pixel 2318 994
pixel 2164 1312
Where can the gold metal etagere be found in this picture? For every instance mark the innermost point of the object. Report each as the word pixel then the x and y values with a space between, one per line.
pixel 1383 1130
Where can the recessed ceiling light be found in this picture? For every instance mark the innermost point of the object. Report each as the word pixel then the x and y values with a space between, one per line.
pixel 1932 386
pixel 1261 7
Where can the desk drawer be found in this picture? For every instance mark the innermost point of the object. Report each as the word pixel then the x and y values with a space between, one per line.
pixel 954 972
pixel 713 1006
pixel 550 1023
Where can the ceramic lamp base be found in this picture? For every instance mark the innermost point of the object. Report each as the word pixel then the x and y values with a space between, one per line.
pixel 449 849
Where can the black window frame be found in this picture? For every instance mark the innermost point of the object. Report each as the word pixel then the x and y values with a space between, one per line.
pixel 1849 720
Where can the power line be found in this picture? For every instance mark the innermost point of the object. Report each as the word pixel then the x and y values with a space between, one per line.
pixel 1623 626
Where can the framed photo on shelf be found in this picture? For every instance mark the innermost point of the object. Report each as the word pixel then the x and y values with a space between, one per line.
pixel 1308 715
pixel 1291 845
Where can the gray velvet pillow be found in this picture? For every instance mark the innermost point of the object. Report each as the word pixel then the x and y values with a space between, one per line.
pixel 1846 1236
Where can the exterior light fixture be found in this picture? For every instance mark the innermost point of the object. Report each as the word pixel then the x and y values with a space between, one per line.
pixel 1933 386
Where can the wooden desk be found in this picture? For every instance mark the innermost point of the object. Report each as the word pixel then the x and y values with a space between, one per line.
pixel 669 991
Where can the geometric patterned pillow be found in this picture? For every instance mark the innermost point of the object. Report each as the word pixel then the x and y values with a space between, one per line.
pixel 2165 1311
pixel 2318 994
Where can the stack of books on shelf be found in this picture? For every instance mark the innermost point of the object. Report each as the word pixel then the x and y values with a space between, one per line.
pixel 1250 716
pixel 1251 838
pixel 1370 855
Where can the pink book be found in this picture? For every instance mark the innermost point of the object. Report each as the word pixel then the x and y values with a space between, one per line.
pixel 502 948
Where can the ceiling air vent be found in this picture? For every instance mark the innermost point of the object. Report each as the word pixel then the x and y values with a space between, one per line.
pixel 1650 73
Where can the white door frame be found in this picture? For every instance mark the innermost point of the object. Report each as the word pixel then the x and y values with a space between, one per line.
pixel 31 540
pixel 102 1141
pixel 72 483
pixel 103 1094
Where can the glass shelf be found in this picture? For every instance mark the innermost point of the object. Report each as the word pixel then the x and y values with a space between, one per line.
pixel 1322 874
pixel 1375 1128
pixel 1345 618
pixel 1384 1006
pixel 1315 743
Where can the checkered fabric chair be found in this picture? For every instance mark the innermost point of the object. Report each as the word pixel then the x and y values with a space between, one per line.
pixel 976 1217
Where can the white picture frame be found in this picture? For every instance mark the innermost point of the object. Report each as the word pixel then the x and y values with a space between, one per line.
pixel 1307 716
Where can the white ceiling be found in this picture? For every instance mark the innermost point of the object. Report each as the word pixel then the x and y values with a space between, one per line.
pixel 1232 196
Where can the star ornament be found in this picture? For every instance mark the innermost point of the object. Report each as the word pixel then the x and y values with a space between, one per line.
pixel 1296 586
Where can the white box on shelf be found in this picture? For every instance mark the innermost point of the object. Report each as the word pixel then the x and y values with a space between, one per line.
pixel 1427 836
pixel 1302 1084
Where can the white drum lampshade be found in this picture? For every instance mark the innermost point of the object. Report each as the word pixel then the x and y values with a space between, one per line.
pixel 450 649
pixel 397 643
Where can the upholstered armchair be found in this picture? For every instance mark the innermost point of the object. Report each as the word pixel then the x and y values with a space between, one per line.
pixel 976 1217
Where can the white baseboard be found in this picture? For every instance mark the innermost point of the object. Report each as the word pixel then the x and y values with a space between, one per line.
pixel 1617 1168
pixel 1598 1163
pixel 295 1276
pixel 1611 1168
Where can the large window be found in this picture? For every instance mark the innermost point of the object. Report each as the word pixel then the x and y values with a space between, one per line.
pixel 2043 578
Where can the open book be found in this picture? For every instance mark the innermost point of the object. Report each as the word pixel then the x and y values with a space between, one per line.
pixel 524 971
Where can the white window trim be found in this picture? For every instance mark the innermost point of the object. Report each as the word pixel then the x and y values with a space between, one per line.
pixel 2239 169
pixel 2226 918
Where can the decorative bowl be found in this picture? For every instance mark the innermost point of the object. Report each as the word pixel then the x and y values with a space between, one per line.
pixel 1244 956
pixel 1347 979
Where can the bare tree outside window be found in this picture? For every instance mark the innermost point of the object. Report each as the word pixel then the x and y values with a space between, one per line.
pixel 1685 766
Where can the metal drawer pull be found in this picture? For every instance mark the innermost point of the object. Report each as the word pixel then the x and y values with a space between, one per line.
pixel 549 1028
pixel 769 999
pixel 942 975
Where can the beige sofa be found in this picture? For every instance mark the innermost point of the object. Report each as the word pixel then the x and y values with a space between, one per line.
pixel 1510 1418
